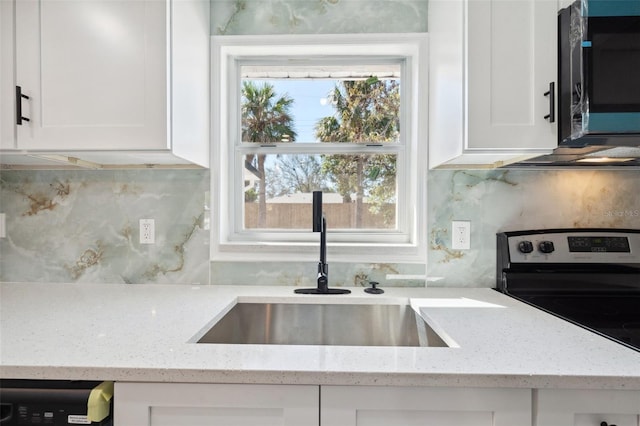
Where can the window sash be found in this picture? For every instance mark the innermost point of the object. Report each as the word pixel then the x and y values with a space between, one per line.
pixel 403 215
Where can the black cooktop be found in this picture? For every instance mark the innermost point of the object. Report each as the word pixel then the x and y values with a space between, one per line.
pixel 614 316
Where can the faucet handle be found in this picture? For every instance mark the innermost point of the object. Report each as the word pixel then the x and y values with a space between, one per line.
pixel 323 282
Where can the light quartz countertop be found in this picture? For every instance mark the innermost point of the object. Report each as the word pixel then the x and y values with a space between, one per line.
pixel 147 333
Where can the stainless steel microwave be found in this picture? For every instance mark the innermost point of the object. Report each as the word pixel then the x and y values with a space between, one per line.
pixel 599 73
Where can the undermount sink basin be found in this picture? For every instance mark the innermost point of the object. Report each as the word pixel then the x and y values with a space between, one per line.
pixel 322 324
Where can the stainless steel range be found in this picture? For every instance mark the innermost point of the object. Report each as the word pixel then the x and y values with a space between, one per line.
pixel 590 277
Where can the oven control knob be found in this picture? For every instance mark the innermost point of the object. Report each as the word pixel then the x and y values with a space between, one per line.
pixel 546 247
pixel 525 247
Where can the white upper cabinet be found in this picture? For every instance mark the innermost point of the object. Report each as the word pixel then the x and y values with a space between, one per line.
pixel 113 81
pixel 95 74
pixel 491 63
pixel 7 110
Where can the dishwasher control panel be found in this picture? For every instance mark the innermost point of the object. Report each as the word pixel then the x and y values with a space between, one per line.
pixel 48 402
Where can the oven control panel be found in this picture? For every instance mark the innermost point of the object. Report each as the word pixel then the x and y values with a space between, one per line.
pixel 572 246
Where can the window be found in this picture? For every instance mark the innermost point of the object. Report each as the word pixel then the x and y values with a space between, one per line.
pixel 340 114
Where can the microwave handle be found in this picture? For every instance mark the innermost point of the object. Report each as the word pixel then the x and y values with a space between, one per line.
pixel 551 93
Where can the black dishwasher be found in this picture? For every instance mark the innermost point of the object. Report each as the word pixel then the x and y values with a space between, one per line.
pixel 52 402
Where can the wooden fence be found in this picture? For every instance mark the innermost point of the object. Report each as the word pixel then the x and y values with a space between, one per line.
pixel 298 216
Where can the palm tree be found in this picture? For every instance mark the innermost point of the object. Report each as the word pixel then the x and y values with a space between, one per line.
pixel 266 118
pixel 366 111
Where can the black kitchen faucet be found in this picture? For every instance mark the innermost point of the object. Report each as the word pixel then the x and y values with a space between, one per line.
pixel 320 225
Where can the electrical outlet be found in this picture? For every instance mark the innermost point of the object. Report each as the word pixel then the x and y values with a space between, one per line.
pixel 147 231
pixel 460 235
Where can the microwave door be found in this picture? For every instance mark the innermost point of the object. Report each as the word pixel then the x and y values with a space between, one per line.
pixel 598 84
pixel 611 67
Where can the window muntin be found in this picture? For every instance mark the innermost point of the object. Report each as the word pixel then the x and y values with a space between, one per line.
pixel 238 230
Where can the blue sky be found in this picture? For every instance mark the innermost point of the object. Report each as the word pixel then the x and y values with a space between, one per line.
pixel 307 108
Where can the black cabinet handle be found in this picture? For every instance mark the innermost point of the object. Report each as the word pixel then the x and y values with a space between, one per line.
pixel 606 424
pixel 19 98
pixel 551 93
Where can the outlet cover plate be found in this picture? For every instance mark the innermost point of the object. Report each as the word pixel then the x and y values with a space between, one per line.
pixel 147 231
pixel 461 235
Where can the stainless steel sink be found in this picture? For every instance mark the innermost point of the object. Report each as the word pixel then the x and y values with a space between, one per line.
pixel 322 324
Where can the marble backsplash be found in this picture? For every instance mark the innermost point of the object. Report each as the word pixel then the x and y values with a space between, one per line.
pixel 508 200
pixel 233 17
pixel 82 226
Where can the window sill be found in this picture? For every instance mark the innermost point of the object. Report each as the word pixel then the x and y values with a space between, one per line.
pixel 336 252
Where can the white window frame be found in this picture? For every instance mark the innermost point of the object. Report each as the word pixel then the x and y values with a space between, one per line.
pixel 228 53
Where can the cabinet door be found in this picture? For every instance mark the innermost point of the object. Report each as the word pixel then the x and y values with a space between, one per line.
pixel 95 74
pixel 511 48
pixel 415 406
pixel 167 404
pixel 7 91
pixel 558 407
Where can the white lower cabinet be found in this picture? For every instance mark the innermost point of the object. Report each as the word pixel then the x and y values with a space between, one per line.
pixel 179 404
pixel 185 404
pixel 413 406
pixel 169 404
pixel 561 407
